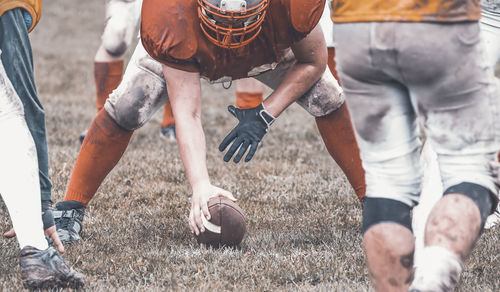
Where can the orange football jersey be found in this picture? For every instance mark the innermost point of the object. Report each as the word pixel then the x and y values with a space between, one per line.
pixel 171 34
pixel 405 10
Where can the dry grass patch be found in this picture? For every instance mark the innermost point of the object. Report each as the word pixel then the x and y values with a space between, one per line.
pixel 303 218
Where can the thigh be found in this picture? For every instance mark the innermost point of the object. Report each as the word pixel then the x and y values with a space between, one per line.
pixel 10 104
pixel 458 98
pixel 17 59
pixel 18 64
pixel 140 94
pixel 383 115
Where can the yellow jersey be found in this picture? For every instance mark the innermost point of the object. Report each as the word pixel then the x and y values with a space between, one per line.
pixel 405 10
pixel 33 7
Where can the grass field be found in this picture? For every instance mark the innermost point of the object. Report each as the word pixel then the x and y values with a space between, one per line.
pixel 303 219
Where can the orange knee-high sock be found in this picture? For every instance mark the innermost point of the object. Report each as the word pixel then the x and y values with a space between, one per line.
pixel 331 63
pixel 338 135
pixel 246 100
pixel 168 116
pixel 101 150
pixel 107 77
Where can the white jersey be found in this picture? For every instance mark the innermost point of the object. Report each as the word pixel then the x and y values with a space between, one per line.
pixel 327 25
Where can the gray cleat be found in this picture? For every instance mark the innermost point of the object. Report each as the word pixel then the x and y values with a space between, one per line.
pixel 68 216
pixel 168 133
pixel 46 269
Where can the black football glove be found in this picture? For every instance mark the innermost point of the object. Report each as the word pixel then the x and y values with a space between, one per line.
pixel 254 124
pixel 47 217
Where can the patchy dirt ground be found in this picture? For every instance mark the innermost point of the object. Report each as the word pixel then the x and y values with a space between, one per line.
pixel 303 218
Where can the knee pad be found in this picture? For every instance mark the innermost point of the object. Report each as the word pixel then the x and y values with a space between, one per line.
pixel 378 210
pixel 140 94
pixel 484 199
pixel 324 97
pixel 129 111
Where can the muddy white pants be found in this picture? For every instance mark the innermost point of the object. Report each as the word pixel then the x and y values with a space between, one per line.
pixel 19 181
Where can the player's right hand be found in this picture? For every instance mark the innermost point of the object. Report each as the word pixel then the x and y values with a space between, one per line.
pixel 201 194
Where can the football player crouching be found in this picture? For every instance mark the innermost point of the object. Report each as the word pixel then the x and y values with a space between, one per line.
pixel 276 42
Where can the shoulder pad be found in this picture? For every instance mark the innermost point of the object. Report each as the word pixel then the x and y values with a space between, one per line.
pixel 169 29
pixel 305 14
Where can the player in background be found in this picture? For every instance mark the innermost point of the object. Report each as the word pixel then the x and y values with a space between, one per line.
pixel 287 52
pixel 23 153
pixel 390 79
pixel 122 17
pixel 431 182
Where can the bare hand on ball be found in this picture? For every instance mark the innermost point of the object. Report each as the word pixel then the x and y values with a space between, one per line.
pixel 202 192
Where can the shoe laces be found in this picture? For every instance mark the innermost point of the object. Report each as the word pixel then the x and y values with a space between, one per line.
pixel 66 222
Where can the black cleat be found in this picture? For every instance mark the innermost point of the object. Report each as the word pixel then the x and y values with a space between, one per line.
pixel 82 135
pixel 68 216
pixel 168 133
pixel 46 269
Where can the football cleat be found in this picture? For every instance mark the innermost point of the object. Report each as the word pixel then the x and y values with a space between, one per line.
pixel 42 269
pixel 168 133
pixel 82 135
pixel 493 220
pixel 68 216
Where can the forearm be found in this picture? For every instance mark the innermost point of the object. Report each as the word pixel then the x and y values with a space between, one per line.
pixel 311 57
pixel 184 91
pixel 192 148
pixel 299 78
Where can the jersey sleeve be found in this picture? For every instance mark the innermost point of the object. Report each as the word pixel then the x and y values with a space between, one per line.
pixel 305 14
pixel 168 33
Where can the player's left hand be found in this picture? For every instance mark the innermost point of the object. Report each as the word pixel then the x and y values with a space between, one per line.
pixel 253 125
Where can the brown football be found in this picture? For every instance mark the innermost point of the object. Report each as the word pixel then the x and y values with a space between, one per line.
pixel 226 226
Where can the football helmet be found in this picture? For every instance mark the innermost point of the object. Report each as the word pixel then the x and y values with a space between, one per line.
pixel 231 24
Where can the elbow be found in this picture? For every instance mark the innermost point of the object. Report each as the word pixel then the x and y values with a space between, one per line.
pixel 321 67
pixel 318 68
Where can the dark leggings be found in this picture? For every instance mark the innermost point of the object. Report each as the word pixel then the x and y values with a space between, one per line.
pixel 17 60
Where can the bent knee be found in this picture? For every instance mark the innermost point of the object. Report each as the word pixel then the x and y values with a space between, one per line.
pixel 114 41
pixel 117 36
pixel 128 110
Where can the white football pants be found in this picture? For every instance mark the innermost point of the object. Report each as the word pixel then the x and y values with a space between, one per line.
pixel 19 181
pixel 432 188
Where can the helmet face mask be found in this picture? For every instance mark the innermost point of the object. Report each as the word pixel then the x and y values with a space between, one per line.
pixel 231 24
